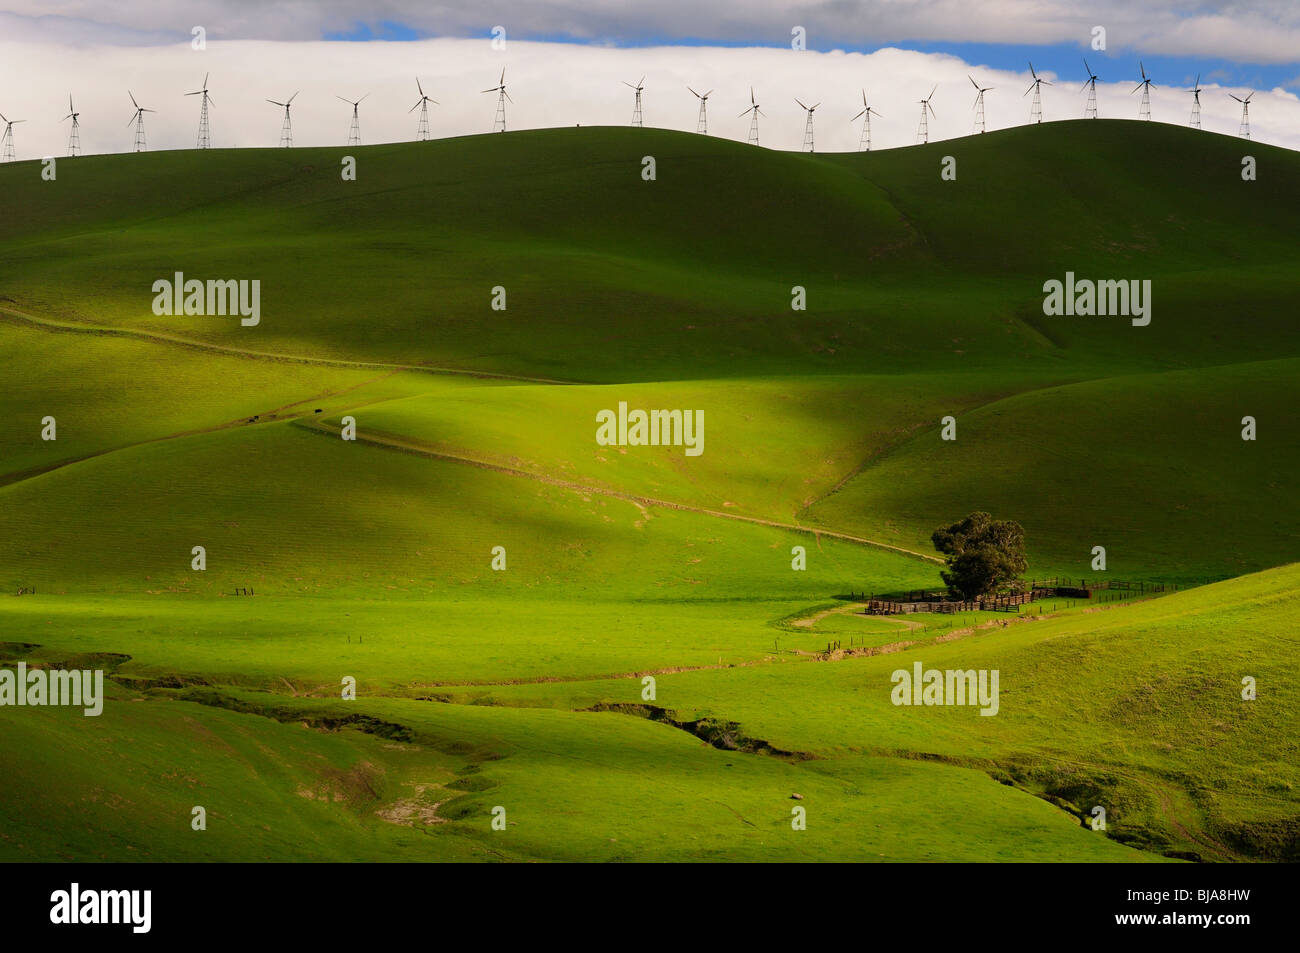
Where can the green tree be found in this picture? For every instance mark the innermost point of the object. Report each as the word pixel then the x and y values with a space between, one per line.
pixel 983 554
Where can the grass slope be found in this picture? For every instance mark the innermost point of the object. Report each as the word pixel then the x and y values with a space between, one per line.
pixel 611 277
pixel 1137 708
pixel 371 559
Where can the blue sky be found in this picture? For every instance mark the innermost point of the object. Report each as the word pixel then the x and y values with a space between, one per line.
pixel 1064 59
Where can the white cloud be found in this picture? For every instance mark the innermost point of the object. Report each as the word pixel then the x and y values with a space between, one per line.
pixel 552 85
pixel 1262 31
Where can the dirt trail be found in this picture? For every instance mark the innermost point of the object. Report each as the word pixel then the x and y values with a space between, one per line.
pixel 403 446
pixel 807 622
pixel 274 415
pixel 157 337
pixel 16 316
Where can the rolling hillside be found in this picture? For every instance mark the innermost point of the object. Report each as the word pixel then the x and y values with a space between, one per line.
pixel 484 683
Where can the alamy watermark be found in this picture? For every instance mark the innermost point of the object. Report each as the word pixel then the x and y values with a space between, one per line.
pixel 176 296
pixel 1126 298
pixel 654 428
pixel 74 906
pixel 54 687
pixel 934 686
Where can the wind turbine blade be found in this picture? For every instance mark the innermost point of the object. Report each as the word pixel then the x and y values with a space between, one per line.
pixel 1086 66
pixel 858 116
pixel 133 102
pixel 293 97
pixel 927 98
pixel 708 94
pixel 697 95
pixel 418 86
pixel 1029 90
pixel 797 100
pixel 418 101
pixel 205 80
pixel 348 101
pixel 641 82
pixel 507 96
pixel 361 100
pixel 1136 88
pixel 503 76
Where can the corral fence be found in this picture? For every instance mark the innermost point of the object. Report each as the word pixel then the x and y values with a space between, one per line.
pixel 928 600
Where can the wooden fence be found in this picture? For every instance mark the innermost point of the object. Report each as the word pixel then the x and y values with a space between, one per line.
pixel 926 600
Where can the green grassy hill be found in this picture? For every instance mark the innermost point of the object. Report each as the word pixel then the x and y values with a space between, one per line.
pixel 611 277
pixel 475 429
pixel 1137 708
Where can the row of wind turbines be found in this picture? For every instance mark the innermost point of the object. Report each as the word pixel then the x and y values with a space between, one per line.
pixel 1090 109
pixel 204 140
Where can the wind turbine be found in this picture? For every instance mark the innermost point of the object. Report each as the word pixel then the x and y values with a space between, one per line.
pixel 754 112
pixel 74 137
pixel 286 127
pixel 1036 110
pixel 138 118
pixel 1195 121
pixel 499 123
pixel 979 103
pixel 1244 129
pixel 1144 112
pixel 923 131
pixel 636 111
pixel 808 126
pixel 702 124
pixel 205 141
pixel 8 138
pixel 354 134
pixel 1090 110
pixel 422 130
pixel 864 141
